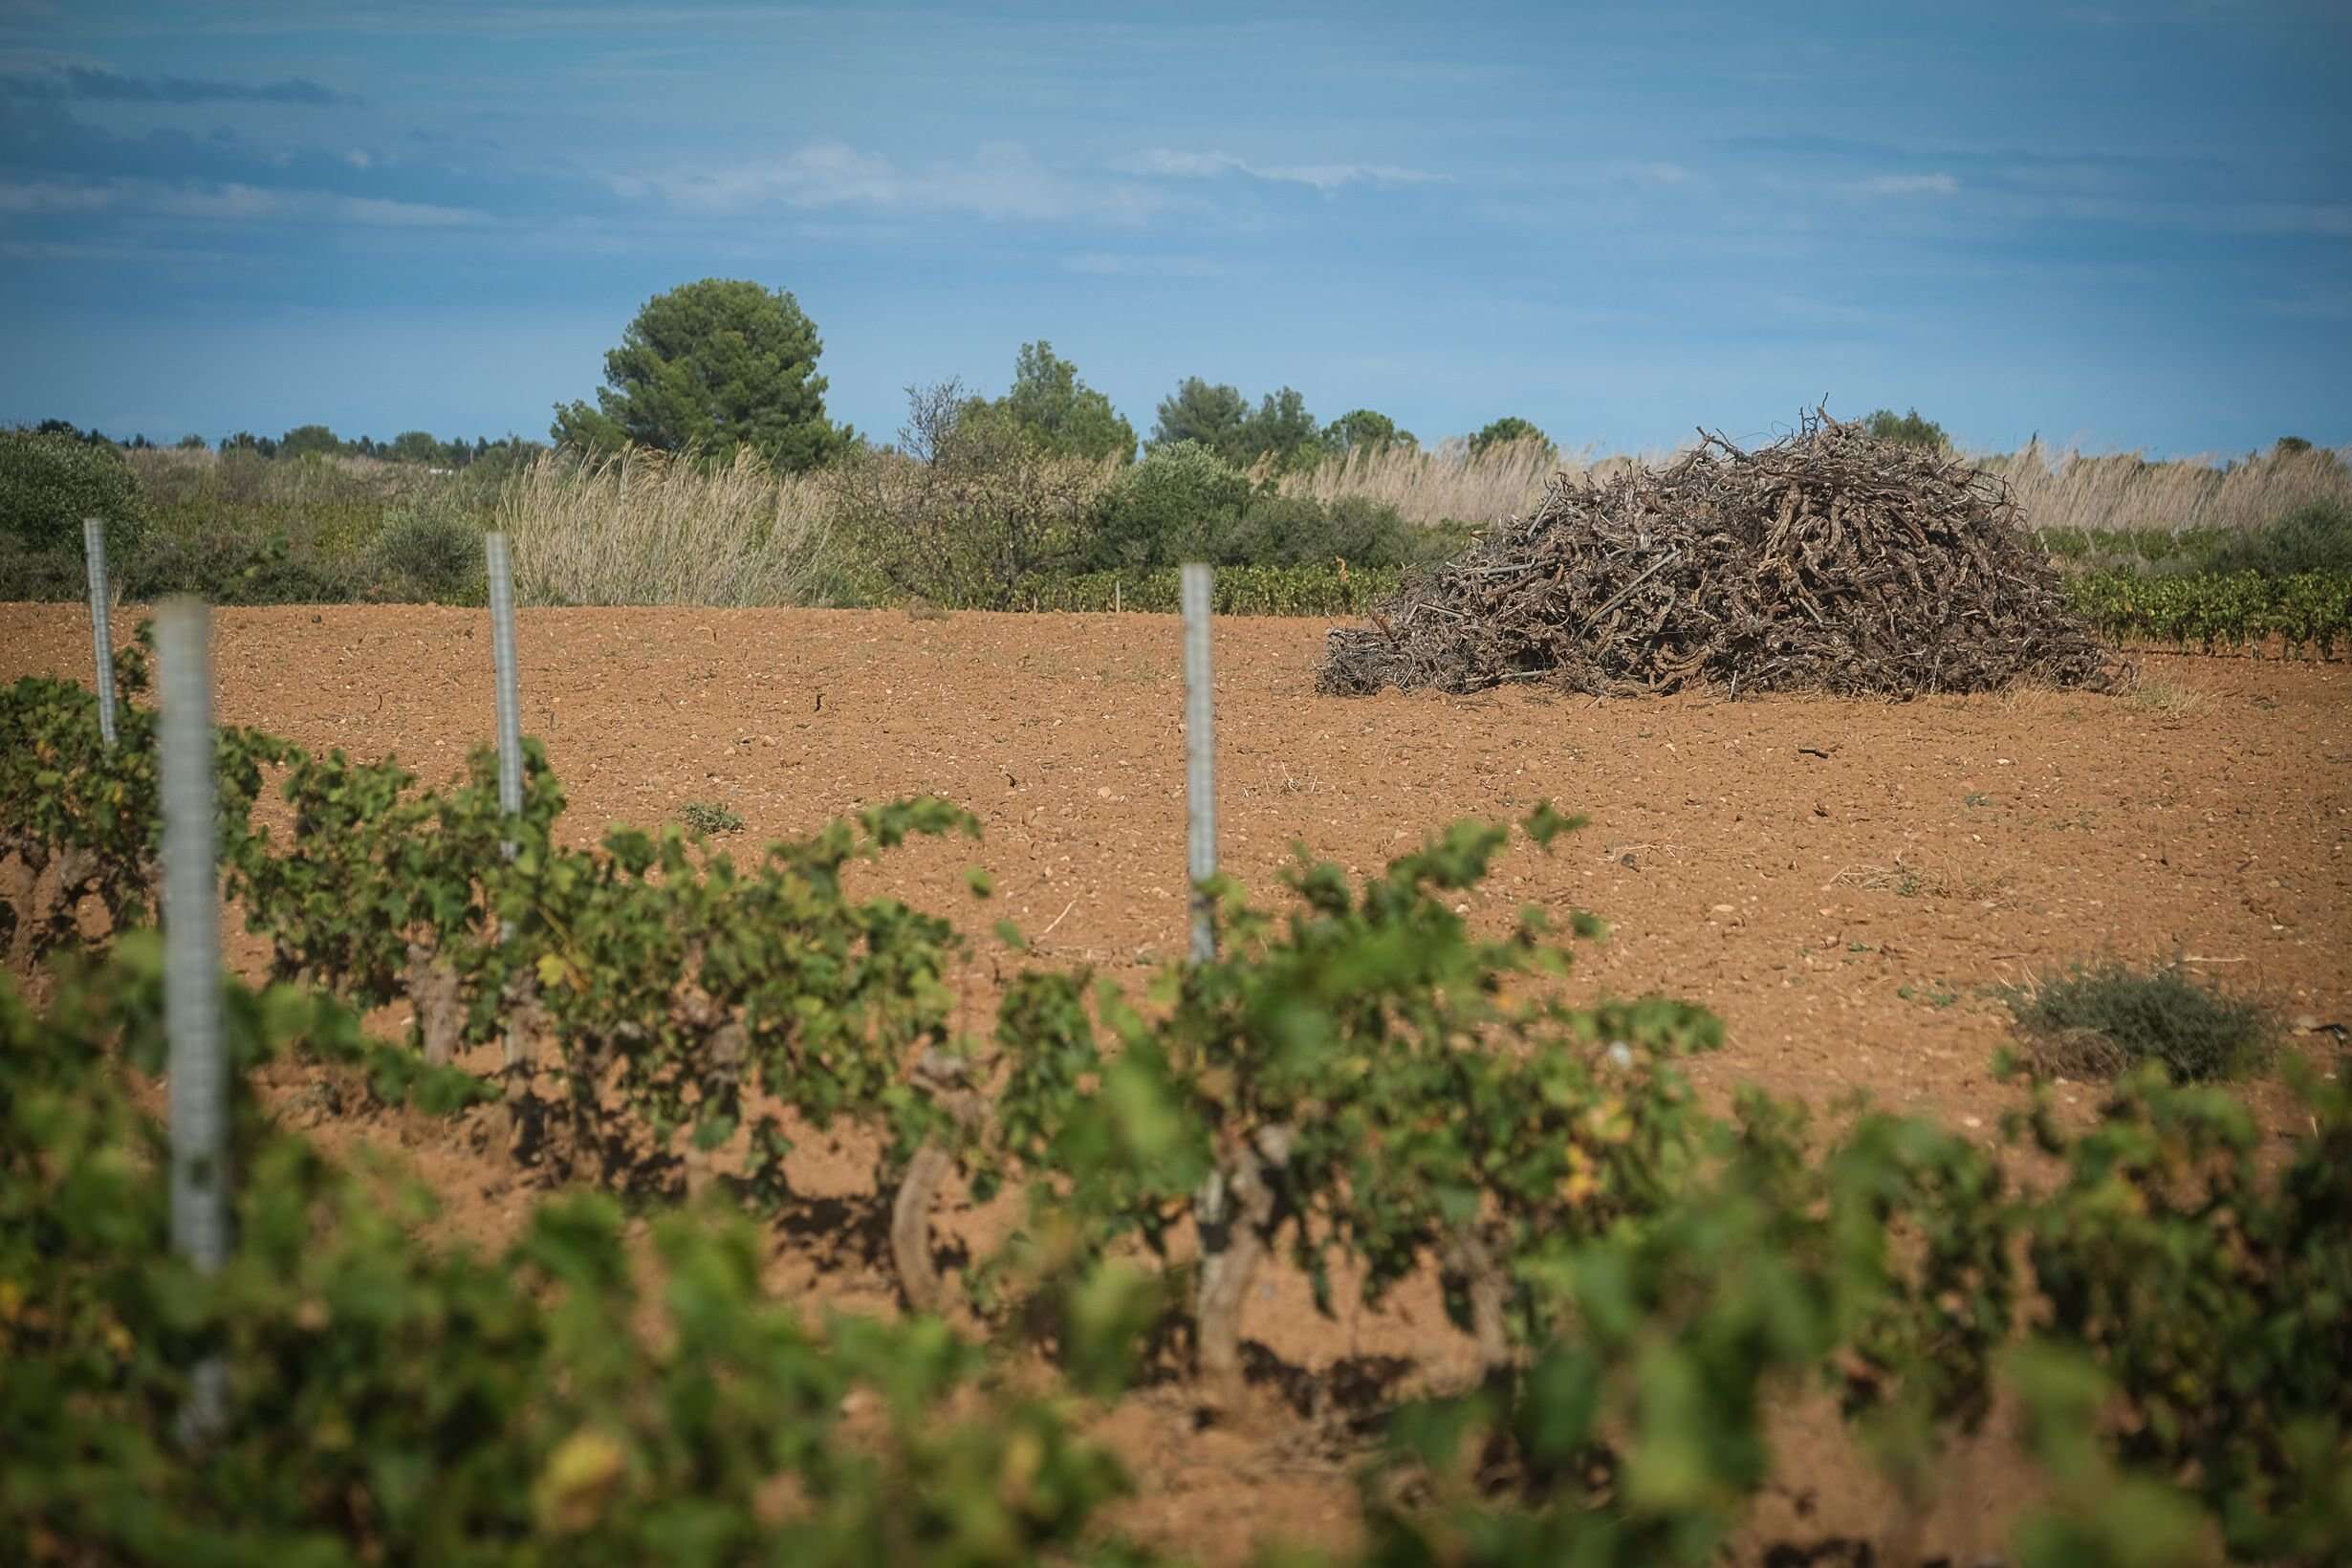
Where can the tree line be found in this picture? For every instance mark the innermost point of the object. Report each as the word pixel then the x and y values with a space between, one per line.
pixel 418 446
pixel 726 363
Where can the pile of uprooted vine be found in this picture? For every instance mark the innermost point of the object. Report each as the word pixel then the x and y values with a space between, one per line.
pixel 1829 561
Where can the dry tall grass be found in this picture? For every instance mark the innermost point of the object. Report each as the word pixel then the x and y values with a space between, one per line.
pixel 2121 490
pixel 639 528
pixel 1444 483
pixel 2057 488
pixel 336 504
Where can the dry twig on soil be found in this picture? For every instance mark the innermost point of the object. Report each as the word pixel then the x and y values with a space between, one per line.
pixel 1828 562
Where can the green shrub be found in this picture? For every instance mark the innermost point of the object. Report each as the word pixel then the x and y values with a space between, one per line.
pixel 2316 537
pixel 1185 503
pixel 1173 507
pixel 1907 429
pixel 2197 1285
pixel 2102 1020
pixel 50 483
pixel 708 816
pixel 968 506
pixel 235 566
pixel 42 577
pixel 431 554
pixel 1301 531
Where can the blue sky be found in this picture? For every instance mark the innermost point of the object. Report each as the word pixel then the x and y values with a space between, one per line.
pixel 2129 224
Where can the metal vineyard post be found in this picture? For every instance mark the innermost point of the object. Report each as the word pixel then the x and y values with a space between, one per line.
pixel 1200 760
pixel 102 628
pixel 510 695
pixel 510 708
pixel 198 1070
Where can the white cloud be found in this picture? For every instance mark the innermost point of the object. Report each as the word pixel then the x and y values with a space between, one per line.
pixel 1110 264
pixel 47 196
pixel 2317 305
pixel 1656 172
pixel 228 203
pixel 134 254
pixel 1910 185
pixel 999 181
pixel 1171 163
pixel 1180 165
pixel 375 213
pixel 2332 220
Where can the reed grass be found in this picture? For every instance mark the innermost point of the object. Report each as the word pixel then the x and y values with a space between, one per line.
pixel 1445 484
pixel 2057 487
pixel 2124 493
pixel 641 528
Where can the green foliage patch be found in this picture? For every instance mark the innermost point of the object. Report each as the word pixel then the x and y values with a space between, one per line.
pixel 2101 1020
pixel 2314 538
pixel 2312 611
pixel 708 816
pixel 50 482
pixel 393 1400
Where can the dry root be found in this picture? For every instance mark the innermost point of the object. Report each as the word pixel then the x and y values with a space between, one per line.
pixel 1830 561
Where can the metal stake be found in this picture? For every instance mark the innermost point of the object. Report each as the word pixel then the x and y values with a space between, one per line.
pixel 1200 760
pixel 510 719
pixel 198 1069
pixel 101 626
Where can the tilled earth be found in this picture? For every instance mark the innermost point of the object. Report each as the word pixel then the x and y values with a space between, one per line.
pixel 1844 882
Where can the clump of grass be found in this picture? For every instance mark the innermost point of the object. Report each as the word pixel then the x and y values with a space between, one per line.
pixel 710 817
pixel 2103 1019
pixel 2158 696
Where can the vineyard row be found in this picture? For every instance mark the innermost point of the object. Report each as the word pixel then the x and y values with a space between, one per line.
pixel 1358 1082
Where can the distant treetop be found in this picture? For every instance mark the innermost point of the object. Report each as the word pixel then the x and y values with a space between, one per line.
pixel 1508 430
pixel 713 366
pixel 1063 414
pixel 1908 429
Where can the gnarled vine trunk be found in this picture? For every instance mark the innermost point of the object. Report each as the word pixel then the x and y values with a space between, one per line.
pixel 1488 1292
pixel 918 1190
pixel 19 874
pixel 437 994
pixel 1237 1212
pixel 527 1023
pixel 45 907
pixel 725 1047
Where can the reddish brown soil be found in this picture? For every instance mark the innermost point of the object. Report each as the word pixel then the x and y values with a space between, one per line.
pixel 1842 882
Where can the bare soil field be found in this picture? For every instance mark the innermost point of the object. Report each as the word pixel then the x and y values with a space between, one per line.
pixel 1842 883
